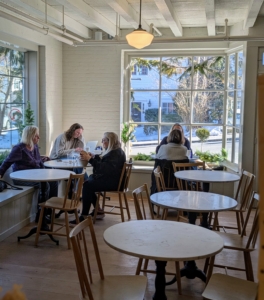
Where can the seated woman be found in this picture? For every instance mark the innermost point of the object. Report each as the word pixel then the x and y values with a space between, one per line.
pixel 107 170
pixel 173 149
pixel 24 156
pixel 185 141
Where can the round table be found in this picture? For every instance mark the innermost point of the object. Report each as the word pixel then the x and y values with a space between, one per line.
pixel 206 176
pixel 42 176
pixel 193 201
pixel 163 241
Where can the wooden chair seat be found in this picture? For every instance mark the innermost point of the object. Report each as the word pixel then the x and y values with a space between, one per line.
pixel 74 185
pixel 128 287
pixel 235 241
pixel 121 191
pixel 224 287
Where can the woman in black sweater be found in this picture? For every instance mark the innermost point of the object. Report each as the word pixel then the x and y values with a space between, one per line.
pixel 107 170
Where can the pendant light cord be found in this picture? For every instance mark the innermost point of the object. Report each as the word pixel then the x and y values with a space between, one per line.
pixel 140 4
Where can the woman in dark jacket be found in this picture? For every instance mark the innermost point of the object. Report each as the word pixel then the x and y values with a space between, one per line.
pixel 106 172
pixel 185 141
pixel 24 156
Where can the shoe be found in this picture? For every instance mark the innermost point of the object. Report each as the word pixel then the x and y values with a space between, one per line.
pixel 100 214
pixel 73 222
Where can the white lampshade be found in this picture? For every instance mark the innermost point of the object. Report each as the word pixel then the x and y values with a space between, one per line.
pixel 139 38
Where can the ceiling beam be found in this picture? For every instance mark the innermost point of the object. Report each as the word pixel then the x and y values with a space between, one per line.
pixel 166 9
pixel 210 16
pixel 127 12
pixel 253 11
pixel 82 12
pixel 37 9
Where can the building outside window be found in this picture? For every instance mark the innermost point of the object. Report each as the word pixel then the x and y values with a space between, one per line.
pixel 197 91
pixel 12 83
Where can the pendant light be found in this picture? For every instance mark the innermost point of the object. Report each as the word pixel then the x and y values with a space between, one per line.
pixel 139 38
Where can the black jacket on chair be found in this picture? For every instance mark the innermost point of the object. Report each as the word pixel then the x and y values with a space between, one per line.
pixel 168 174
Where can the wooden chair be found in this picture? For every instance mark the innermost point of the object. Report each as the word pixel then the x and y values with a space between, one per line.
pixel 121 191
pixel 160 184
pixel 243 243
pixel 142 215
pixel 224 287
pixel 118 287
pixel 243 193
pixel 186 185
pixel 75 183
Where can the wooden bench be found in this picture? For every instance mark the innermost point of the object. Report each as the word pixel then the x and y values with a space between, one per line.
pixel 16 208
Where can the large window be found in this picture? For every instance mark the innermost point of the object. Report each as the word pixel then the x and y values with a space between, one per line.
pixel 193 90
pixel 12 102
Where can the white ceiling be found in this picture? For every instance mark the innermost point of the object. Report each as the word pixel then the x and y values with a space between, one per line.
pixel 170 18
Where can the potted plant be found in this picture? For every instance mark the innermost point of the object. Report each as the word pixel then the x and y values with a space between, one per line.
pixel 3 156
pixel 127 134
pixel 212 159
pixel 202 134
pixel 144 159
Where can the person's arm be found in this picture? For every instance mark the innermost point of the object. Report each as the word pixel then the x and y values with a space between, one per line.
pixel 163 142
pixel 188 145
pixel 15 155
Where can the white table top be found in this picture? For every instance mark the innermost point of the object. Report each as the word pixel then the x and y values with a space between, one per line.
pixel 41 175
pixel 163 240
pixel 193 201
pixel 206 176
pixel 63 164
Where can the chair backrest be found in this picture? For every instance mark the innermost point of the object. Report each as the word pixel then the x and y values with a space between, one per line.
pixel 139 202
pixel 160 184
pixel 75 183
pixel 254 200
pixel 244 189
pixel 81 255
pixel 125 176
pixel 183 184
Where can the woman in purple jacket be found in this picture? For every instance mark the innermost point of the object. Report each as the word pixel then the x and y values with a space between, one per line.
pixel 24 156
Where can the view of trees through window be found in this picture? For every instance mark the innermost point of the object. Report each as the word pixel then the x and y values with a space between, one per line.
pixel 11 96
pixel 191 90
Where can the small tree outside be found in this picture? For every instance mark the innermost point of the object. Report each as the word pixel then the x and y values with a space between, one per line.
pixel 28 117
pixel 202 134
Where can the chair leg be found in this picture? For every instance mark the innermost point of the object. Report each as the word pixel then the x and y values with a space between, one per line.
pixel 52 219
pixel 139 266
pixel 206 264
pixel 146 264
pixel 210 270
pixel 121 207
pixel 178 276
pixel 127 207
pixel 248 266
pixel 238 222
pixel 39 225
pixel 96 208
pixel 67 229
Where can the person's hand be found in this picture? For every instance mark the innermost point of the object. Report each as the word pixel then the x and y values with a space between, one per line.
pixel 85 156
pixel 78 149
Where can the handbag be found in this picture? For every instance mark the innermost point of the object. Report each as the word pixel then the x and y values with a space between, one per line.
pixel 5 185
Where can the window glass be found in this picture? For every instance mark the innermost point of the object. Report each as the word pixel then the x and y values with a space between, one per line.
pixel 240 69
pixel 144 73
pixel 11 96
pixel 176 72
pixel 189 90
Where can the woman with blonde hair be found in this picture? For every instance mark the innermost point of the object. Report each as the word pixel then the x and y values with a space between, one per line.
pixel 107 170
pixel 185 142
pixel 24 156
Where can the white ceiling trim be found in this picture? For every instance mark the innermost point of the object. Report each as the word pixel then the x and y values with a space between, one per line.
pixel 210 16
pixel 127 12
pixel 253 11
pixel 37 8
pixel 82 12
pixel 166 9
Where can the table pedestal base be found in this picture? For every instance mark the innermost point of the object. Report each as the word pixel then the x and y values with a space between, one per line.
pixel 34 230
pixel 160 281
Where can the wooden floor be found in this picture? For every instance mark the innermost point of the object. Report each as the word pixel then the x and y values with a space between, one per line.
pixel 48 272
